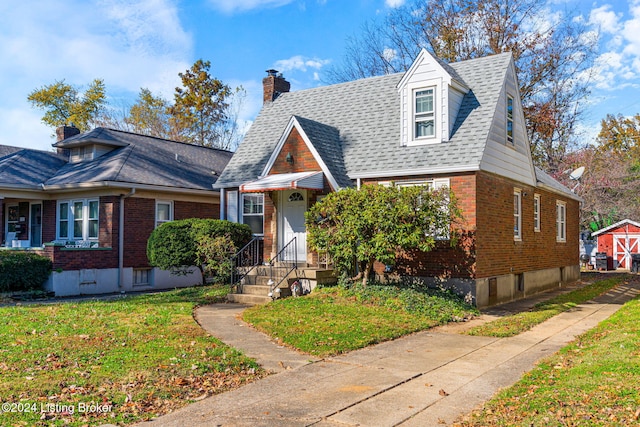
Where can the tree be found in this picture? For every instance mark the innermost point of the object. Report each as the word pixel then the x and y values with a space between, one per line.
pixel 178 245
pixel 200 106
pixel 63 104
pixel 621 135
pixel 373 223
pixel 553 58
pixel 150 115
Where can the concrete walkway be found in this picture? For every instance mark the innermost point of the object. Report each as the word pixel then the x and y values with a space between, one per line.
pixel 425 379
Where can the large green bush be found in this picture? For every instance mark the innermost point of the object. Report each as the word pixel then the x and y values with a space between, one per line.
pixel 174 245
pixel 23 271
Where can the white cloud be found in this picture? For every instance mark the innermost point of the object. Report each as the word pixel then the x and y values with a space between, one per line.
pixel 300 63
pixel 231 6
pixel 394 3
pixel 605 19
pixel 389 54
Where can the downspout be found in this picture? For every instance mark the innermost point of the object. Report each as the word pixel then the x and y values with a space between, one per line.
pixel 223 213
pixel 121 238
pixel 358 183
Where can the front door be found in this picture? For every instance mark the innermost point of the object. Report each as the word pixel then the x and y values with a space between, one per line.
pixel 291 224
pixel 35 229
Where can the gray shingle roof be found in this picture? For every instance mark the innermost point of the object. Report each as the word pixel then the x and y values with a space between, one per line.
pixel 326 140
pixel 366 113
pixel 22 167
pixel 135 159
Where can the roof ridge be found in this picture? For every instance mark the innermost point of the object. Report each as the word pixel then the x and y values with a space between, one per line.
pixel 163 139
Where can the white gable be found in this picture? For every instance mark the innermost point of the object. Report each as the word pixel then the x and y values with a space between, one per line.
pixel 444 91
pixel 512 160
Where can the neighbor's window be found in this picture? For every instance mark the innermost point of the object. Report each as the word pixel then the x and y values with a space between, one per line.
pixel 253 212
pixel 561 221
pixel 536 212
pixel 12 218
pixel 78 219
pixel 517 214
pixel 510 119
pixel 424 113
pixel 164 212
pixel 80 154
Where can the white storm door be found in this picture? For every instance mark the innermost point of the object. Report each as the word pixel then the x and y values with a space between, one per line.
pixel 293 206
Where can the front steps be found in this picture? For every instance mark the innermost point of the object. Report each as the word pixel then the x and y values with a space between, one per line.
pixel 254 288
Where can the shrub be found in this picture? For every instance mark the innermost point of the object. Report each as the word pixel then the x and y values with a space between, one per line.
pixel 174 245
pixel 23 271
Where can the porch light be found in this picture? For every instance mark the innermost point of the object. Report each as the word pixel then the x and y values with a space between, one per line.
pixel 289 158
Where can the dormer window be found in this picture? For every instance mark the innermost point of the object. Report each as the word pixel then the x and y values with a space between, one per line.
pixel 510 120
pixel 81 154
pixel 424 113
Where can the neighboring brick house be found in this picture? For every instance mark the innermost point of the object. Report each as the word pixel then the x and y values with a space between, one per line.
pixel 91 205
pixel 457 125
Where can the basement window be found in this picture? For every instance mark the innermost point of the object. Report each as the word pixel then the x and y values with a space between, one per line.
pixel 141 277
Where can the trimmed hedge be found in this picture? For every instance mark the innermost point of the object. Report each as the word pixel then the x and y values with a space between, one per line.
pixel 23 271
pixel 172 246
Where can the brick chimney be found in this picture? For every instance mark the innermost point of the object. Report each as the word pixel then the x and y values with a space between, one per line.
pixel 273 85
pixel 64 132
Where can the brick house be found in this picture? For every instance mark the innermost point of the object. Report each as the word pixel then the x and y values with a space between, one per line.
pixel 457 125
pixel 91 205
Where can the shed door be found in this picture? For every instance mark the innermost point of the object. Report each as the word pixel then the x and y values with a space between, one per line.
pixel 623 247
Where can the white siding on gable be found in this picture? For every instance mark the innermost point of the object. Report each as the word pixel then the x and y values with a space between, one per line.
pixel 428 73
pixel 500 157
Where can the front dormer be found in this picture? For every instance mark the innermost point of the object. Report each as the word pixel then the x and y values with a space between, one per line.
pixel 85 147
pixel 430 95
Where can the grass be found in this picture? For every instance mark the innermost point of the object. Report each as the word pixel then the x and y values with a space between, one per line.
pixel 592 382
pixel 509 326
pixel 143 355
pixel 339 319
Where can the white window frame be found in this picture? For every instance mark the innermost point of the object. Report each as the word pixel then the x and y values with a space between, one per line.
pixel 561 221
pixel 431 184
pixel 81 154
pixel 71 219
pixel 424 116
pixel 409 113
pixel 536 212
pixel 139 276
pixel 159 203
pixel 244 214
pixel 517 214
pixel 509 128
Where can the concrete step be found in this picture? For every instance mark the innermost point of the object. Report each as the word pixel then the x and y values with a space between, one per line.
pixel 255 289
pixel 248 299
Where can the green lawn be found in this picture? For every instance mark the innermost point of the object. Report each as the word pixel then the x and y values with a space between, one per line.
pixel 509 326
pixel 142 356
pixel 592 382
pixel 335 320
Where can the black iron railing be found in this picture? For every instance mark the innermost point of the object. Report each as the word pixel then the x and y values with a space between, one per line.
pixel 285 261
pixel 245 260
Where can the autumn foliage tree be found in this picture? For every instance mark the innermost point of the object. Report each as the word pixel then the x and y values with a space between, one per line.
pixel 66 104
pixel 553 56
pixel 360 227
pixel 205 111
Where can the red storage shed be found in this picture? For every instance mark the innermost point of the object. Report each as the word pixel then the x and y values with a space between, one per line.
pixel 619 241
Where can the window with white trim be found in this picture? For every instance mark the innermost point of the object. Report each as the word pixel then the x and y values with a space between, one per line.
pixel 536 212
pixel 141 276
pixel 424 113
pixel 164 212
pixel 253 211
pixel 431 184
pixel 517 214
pixel 78 219
pixel 81 154
pixel 510 140
pixel 561 221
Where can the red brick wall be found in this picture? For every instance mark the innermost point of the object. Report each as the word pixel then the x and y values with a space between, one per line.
pixel 444 260
pixel 303 160
pixel 49 216
pixel 185 210
pixel 498 252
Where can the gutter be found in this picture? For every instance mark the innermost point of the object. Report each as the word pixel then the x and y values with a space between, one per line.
pixel 121 238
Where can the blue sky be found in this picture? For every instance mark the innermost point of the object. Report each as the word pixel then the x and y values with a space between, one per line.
pixel 146 43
